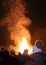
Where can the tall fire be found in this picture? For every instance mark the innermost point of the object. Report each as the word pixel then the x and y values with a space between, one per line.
pixel 17 25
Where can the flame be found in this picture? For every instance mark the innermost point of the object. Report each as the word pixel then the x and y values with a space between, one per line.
pixel 17 26
pixel 24 45
pixel 22 40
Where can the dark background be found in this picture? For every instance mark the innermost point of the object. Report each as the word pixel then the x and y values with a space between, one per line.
pixel 37 12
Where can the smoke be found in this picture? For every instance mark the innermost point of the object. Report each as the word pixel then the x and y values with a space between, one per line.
pixel 16 21
pixel 14 11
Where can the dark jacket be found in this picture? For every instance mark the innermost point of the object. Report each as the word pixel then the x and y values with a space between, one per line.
pixel 38 59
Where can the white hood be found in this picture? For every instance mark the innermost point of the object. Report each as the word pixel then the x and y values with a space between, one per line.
pixel 35 49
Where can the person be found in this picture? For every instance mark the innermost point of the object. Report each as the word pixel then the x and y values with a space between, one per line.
pixel 38 47
pixel 38 57
pixel 25 52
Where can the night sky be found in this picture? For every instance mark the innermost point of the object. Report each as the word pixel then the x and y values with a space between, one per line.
pixel 37 12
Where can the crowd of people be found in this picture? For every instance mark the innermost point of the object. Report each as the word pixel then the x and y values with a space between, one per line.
pixel 38 57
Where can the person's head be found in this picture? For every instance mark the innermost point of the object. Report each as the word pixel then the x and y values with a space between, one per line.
pixel 39 44
pixel 25 52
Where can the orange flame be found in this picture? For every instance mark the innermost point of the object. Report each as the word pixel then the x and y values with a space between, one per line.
pixel 24 45
pixel 17 25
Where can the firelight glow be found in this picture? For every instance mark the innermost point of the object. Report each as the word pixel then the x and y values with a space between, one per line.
pixel 24 46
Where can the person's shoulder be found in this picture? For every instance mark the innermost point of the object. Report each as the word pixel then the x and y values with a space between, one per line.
pixel 38 54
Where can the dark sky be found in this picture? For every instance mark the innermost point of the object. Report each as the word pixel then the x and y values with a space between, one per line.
pixel 37 12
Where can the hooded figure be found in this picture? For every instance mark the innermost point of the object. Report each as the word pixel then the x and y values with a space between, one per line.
pixel 38 56
pixel 38 47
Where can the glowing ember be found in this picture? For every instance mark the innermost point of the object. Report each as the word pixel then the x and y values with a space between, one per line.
pixel 24 46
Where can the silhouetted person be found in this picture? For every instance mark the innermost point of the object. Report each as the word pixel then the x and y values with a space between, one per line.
pixel 22 57
pixel 7 59
pixel 25 52
pixel 38 55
